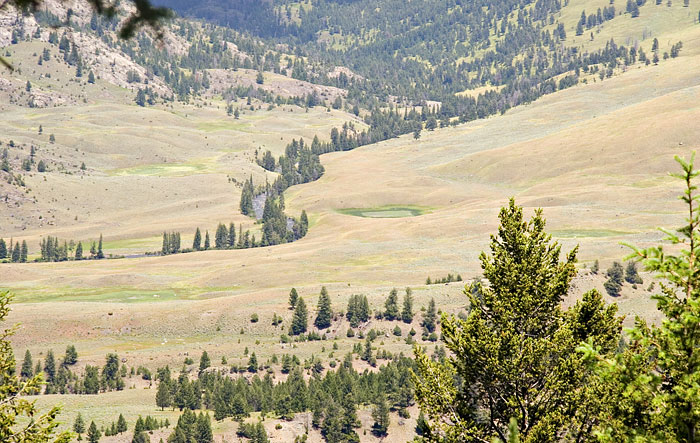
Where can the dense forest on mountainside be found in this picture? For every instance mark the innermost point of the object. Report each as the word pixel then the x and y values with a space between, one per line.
pixel 431 50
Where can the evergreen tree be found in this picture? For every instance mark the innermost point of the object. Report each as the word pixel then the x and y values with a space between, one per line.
pixel 100 254
pixel 27 370
pixel 517 346
pixel 71 356
pixel 16 253
pixel 221 237
pixel 631 274
pixel 614 283
pixel 231 236
pixel 163 395
pixel 121 424
pixel 3 249
pixel 79 251
pixel 141 437
pixel 140 98
pixel 207 243
pixel 247 195
pixel 23 252
pixel 93 434
pixel 79 425
pixel 197 243
pixel 304 224
pixel 50 367
pixel 358 310
pixel 429 318
pixel 253 363
pixel 293 297
pixel 380 415
pixel 203 429
pixel 165 248
pixel 204 361
pixel 391 306
pixel 21 421
pixel 299 319
pixel 650 388
pixel 325 313
pixel 331 429
pixel 407 310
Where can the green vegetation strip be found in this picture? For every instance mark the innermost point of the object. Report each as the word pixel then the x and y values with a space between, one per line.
pixel 385 211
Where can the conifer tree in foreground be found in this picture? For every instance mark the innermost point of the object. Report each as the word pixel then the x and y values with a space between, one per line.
pixel 207 243
pixel 515 356
pixel 661 365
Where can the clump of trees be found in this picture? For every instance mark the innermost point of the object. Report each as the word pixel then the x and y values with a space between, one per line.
pixel 449 279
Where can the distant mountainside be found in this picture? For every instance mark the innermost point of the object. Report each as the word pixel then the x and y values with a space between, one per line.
pixel 256 16
pixel 511 51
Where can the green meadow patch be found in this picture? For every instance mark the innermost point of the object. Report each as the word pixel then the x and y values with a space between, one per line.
pixel 120 295
pixel 385 211
pixel 587 233
pixel 167 169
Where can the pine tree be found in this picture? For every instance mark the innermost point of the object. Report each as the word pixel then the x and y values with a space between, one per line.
pixel 304 222
pixel 207 243
pixel 407 310
pixel 16 253
pixel 380 415
pixel 391 306
pixel 614 283
pixel 79 426
pixel 165 248
pixel 79 251
pixel 197 243
pixel 50 367
pixel 71 356
pixel 141 437
pixel 430 317
pixel 163 396
pixel 203 429
pixel 325 312
pixel 3 249
pixel 331 429
pixel 253 363
pixel 231 236
pixel 27 370
pixel 515 338
pixel 93 433
pixel 121 424
pixel 23 252
pixel 204 361
pixel 293 297
pixel 100 254
pixel 659 366
pixel 299 319
pixel 221 237
pixel 247 195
